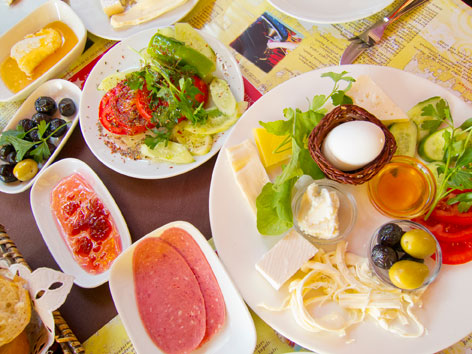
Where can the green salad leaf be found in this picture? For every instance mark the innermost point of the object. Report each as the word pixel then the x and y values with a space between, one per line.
pixel 274 210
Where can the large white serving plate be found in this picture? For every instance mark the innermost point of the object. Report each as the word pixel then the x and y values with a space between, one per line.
pixel 95 20
pixel 50 11
pixel 333 11
pixel 446 312
pixel 56 89
pixel 121 58
pixel 237 335
pixel 40 199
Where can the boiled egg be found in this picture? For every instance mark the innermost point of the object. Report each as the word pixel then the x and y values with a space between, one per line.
pixel 352 145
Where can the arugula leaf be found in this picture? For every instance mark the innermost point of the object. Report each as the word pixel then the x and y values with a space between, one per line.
pixel 274 210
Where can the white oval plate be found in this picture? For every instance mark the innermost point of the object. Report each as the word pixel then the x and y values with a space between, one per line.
pixel 98 23
pixel 56 89
pixel 121 58
pixel 40 199
pixel 240 246
pixel 46 13
pixel 333 11
pixel 238 334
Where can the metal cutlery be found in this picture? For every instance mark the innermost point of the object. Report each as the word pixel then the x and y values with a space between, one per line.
pixel 374 33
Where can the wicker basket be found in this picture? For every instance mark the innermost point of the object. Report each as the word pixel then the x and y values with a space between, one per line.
pixel 65 338
pixel 337 116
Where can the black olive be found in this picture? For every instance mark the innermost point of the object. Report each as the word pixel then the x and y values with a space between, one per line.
pixel 390 234
pixel 45 104
pixel 38 117
pixel 6 173
pixel 33 135
pixel 407 257
pixel 56 123
pixel 66 107
pixel 5 150
pixel 27 124
pixel 11 157
pixel 51 147
pixel 384 256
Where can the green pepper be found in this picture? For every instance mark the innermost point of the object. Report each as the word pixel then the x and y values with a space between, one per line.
pixel 170 50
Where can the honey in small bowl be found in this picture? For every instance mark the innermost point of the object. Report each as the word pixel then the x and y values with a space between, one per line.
pixel 404 188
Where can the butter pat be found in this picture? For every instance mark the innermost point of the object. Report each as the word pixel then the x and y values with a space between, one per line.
pixel 34 48
pixel 368 95
pixel 318 212
pixel 143 11
pixel 285 258
pixel 248 170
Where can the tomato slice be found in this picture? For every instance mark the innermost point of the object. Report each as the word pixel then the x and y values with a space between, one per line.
pixel 446 213
pixel 456 252
pixel 118 112
pixel 201 97
pixel 447 232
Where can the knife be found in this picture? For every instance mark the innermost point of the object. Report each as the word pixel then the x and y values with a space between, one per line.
pixel 373 34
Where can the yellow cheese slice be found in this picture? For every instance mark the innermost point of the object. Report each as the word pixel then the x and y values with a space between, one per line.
pixel 368 95
pixel 34 48
pixel 248 170
pixel 143 11
pixel 267 143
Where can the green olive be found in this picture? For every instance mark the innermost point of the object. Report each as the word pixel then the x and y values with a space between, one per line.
pixel 25 169
pixel 418 243
pixel 408 274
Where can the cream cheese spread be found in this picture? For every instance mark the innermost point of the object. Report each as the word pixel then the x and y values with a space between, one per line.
pixel 318 212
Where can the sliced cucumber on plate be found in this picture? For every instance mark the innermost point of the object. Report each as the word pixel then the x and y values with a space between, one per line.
pixel 406 137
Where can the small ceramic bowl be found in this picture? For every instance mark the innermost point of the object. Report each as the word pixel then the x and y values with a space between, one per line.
pixel 347 212
pixel 46 13
pixel 403 189
pixel 433 263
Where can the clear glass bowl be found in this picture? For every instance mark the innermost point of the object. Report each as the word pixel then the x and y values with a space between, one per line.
pixel 403 189
pixel 434 264
pixel 347 213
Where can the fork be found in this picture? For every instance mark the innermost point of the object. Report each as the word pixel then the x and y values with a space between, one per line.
pixel 374 33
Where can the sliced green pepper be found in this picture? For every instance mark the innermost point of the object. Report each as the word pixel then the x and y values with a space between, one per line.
pixel 169 50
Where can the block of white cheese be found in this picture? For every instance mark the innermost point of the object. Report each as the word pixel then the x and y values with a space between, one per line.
pixel 143 11
pixel 112 7
pixel 285 258
pixel 367 94
pixel 34 48
pixel 248 170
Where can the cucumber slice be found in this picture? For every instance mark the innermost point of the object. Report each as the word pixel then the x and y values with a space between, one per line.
pixel 406 137
pixel 187 34
pixel 416 112
pixel 219 123
pixel 431 148
pixel 172 152
pixel 222 96
pixel 197 144
pixel 112 80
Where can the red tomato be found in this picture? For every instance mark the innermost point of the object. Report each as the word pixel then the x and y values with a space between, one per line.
pixel 144 104
pixel 447 232
pixel 456 252
pixel 203 88
pixel 446 213
pixel 118 112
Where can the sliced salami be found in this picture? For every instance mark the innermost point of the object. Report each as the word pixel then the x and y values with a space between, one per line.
pixel 170 302
pixel 191 252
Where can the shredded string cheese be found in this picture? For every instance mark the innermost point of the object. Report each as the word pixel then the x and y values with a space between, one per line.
pixel 343 283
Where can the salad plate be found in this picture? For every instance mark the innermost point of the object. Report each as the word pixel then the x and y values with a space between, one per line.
pixel 122 57
pixel 40 199
pixel 56 89
pixel 446 309
pixel 325 12
pixel 237 335
pixel 98 23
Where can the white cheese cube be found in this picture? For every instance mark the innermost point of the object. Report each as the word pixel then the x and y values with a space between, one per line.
pixel 285 258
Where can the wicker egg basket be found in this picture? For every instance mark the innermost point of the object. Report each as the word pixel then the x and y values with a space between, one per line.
pixel 342 114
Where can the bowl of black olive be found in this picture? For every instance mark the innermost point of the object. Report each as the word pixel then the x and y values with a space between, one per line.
pixel 405 254
pixel 36 133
